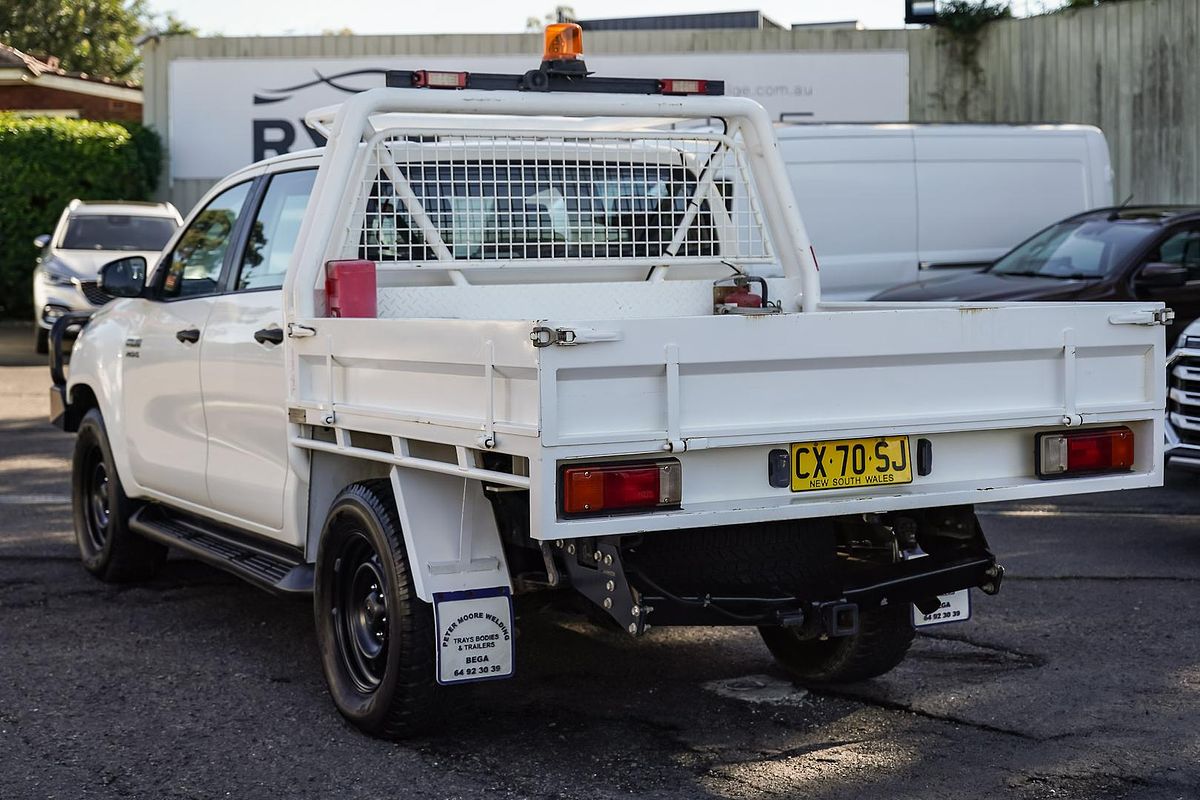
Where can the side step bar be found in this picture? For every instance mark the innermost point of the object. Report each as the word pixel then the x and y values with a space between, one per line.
pixel 278 569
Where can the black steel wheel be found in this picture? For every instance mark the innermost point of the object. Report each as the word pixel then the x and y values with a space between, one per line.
pixel 96 491
pixel 376 636
pixel 883 638
pixel 101 511
pixel 360 616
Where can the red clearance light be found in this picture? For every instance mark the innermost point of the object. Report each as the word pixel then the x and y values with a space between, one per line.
pixel 428 79
pixel 1084 452
pixel 350 288
pixel 683 86
pixel 613 488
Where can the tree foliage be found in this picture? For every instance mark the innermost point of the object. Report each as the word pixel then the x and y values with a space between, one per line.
pixel 961 25
pixel 98 37
pixel 559 14
pixel 968 18
pixel 1087 3
pixel 92 36
pixel 45 162
pixel 170 25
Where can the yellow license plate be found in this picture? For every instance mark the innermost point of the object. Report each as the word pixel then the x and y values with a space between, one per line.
pixel 850 463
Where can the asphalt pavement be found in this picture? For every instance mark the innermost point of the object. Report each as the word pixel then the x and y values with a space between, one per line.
pixel 1080 680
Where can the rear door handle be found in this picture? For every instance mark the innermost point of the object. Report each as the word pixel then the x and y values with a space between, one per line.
pixel 191 335
pixel 269 335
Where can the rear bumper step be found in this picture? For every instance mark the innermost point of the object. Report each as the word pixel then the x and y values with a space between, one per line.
pixel 904 582
pixel 271 568
pixel 916 580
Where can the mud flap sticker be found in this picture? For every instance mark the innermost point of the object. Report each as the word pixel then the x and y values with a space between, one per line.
pixel 474 635
pixel 955 607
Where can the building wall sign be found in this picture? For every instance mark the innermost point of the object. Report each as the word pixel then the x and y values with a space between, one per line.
pixel 226 113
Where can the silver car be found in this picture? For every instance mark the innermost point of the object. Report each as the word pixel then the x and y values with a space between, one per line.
pixel 88 236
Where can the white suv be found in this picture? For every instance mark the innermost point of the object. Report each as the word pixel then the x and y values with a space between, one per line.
pixel 88 236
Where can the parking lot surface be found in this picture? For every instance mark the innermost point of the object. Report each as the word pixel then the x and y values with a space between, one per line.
pixel 1080 680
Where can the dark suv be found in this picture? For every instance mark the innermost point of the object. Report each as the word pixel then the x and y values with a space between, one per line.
pixel 1128 253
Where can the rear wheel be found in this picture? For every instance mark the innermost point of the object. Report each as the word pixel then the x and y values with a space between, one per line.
pixel 883 638
pixel 376 636
pixel 108 548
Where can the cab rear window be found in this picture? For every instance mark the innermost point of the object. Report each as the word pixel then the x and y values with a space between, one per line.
pixel 533 210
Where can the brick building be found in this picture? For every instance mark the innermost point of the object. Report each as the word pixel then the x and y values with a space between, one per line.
pixel 32 86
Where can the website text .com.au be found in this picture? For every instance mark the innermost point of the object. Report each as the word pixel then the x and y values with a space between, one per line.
pixel 771 91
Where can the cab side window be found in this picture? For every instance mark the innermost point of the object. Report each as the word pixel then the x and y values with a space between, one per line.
pixel 194 267
pixel 1183 249
pixel 274 231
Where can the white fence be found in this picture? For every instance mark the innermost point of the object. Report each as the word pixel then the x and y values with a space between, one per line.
pixel 1131 68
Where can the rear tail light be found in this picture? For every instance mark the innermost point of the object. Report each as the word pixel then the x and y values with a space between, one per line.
pixel 350 288
pixel 614 488
pixel 1084 452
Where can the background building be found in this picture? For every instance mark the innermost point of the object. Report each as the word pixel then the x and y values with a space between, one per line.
pixel 730 20
pixel 1128 68
pixel 35 86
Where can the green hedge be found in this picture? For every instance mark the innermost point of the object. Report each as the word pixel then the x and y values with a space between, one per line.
pixel 45 162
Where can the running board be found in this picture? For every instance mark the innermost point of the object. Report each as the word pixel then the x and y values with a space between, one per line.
pixel 275 569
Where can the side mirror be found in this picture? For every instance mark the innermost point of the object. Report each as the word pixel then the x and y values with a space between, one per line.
pixel 125 277
pixel 1156 275
pixel 41 241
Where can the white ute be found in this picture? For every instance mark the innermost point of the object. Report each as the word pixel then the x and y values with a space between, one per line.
pixel 513 343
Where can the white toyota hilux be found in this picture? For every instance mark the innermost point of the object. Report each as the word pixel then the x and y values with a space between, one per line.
pixel 502 335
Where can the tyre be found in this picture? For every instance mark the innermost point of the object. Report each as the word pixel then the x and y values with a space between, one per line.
pixel 883 638
pixel 41 340
pixel 108 548
pixel 375 635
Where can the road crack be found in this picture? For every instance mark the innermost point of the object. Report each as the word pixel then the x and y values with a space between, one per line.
pixel 1025 659
pixel 173 593
pixel 1010 578
pixel 18 559
pixel 893 705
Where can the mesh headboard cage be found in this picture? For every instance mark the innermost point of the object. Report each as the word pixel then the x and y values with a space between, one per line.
pixel 458 200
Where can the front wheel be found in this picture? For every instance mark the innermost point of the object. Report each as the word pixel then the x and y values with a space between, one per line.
pixel 108 548
pixel 41 340
pixel 883 638
pixel 375 635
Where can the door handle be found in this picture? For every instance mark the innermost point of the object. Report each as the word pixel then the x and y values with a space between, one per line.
pixel 190 335
pixel 269 335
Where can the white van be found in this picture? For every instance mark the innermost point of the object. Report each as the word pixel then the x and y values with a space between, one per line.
pixel 884 200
